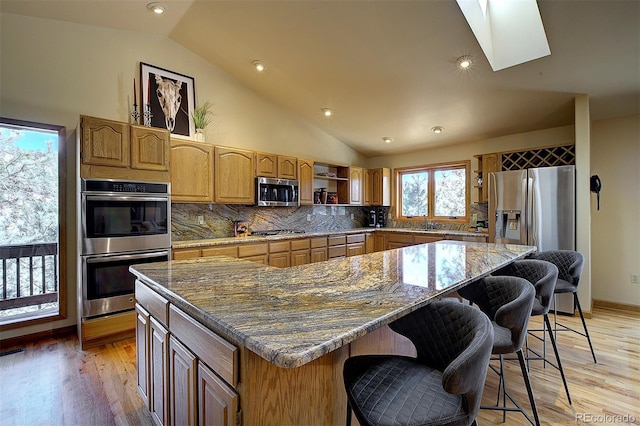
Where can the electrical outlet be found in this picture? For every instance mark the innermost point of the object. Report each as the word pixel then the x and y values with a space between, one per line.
pixel 351 216
pixel 200 220
pixel 635 278
pixel 308 218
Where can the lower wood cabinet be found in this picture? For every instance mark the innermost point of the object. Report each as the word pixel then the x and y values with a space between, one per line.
pixel 185 373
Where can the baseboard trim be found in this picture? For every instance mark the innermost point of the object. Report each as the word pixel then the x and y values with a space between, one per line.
pixel 30 338
pixel 615 305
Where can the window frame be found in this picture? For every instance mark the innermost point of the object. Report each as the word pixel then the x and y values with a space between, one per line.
pixel 62 225
pixel 430 169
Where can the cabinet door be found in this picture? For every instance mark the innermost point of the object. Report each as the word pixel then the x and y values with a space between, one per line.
pixel 287 167
pixel 300 257
pixel 158 371
pixel 191 171
pixel 489 164
pixel 356 185
pixel 368 187
pixel 318 254
pixel 305 178
pixel 266 165
pixel 369 243
pixel 234 176
pixel 380 187
pixel 279 260
pixel 149 148
pixel 142 354
pixel 182 254
pixel 182 384
pixel 105 142
pixel 217 402
pixel 379 242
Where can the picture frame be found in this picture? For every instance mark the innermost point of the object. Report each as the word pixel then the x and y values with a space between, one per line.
pixel 173 109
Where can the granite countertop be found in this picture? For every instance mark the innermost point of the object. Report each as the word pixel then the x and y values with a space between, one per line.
pixel 259 238
pixel 292 316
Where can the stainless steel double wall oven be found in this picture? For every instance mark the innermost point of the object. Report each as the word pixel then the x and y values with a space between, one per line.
pixel 121 223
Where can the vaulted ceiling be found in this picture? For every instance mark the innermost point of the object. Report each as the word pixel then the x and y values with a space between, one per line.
pixel 387 68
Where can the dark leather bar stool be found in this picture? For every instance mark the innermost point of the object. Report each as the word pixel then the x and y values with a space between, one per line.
pixel 543 276
pixel 507 301
pixel 569 264
pixel 441 386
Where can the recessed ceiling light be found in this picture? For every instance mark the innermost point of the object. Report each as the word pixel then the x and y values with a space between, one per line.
pixel 328 112
pixel 437 129
pixel 387 139
pixel 157 8
pixel 464 62
pixel 258 65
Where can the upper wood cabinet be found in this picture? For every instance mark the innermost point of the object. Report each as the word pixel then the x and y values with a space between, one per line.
pixel 276 166
pixel 287 167
pixel 379 187
pixel 234 181
pixel 266 165
pixel 356 186
pixel 115 150
pixel 191 171
pixel 305 178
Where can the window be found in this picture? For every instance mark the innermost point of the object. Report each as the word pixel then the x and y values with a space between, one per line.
pixel 439 192
pixel 32 244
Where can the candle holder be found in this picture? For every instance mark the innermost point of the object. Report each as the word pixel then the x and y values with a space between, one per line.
pixel 135 115
pixel 147 115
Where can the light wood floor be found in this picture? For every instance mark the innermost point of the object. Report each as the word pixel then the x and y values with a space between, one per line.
pixel 53 382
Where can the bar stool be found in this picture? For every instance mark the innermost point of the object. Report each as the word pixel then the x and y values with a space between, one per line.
pixel 507 301
pixel 441 386
pixel 569 264
pixel 543 276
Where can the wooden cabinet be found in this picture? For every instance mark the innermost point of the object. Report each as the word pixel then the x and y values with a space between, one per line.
pixel 115 150
pixel 183 367
pixel 230 251
pixel 217 401
pixel 287 167
pixel 355 244
pixel 191 171
pixel 356 186
pixel 334 179
pixel 379 187
pixel 276 166
pixel 318 249
pixel 300 252
pixel 159 378
pixel 422 239
pixel 397 240
pixel 266 165
pixel 336 246
pixel 379 243
pixel 487 163
pixel 186 374
pixel 254 253
pixel 185 253
pixel 305 181
pixel 234 181
pixel 279 254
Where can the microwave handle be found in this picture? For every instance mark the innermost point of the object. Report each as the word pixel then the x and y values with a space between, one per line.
pixel 104 259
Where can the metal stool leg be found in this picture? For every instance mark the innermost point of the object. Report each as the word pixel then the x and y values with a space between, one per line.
pixel 348 422
pixel 555 350
pixel 525 376
pixel 584 324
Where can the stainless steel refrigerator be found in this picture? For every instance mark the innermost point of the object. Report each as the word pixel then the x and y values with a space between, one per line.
pixel 535 207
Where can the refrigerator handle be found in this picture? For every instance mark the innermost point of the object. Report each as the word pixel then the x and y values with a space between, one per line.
pixel 532 225
pixel 524 213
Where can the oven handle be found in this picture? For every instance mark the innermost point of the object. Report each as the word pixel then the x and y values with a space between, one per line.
pixel 110 258
pixel 124 198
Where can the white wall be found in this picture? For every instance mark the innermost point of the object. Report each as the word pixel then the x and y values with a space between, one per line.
pixel 615 228
pixel 51 72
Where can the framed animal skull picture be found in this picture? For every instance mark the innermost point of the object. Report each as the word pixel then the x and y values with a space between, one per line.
pixel 168 100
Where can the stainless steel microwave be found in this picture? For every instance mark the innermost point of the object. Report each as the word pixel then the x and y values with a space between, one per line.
pixel 276 192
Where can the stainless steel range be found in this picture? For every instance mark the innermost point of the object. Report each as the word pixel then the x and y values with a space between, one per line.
pixel 121 223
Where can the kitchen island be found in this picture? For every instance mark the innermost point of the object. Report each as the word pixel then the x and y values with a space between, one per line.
pixel 221 336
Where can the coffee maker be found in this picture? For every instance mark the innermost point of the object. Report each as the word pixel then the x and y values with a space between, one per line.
pixel 381 217
pixel 373 218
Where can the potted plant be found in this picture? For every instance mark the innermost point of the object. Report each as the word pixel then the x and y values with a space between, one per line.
pixel 201 119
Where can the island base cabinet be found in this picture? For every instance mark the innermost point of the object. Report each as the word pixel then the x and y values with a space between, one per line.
pixel 217 402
